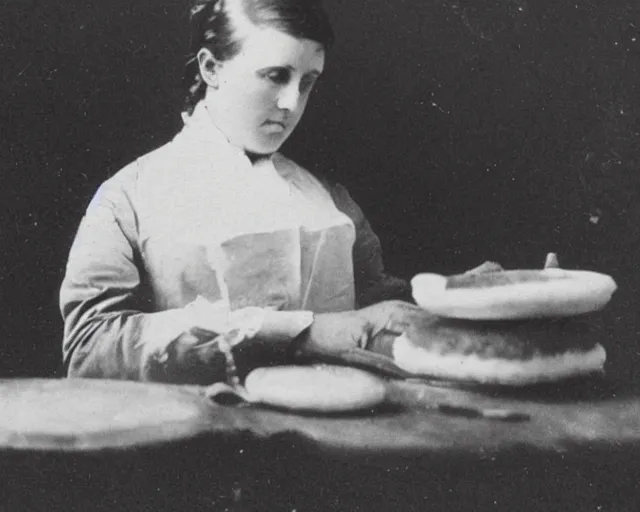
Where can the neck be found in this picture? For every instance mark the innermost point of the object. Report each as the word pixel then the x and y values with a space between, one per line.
pixel 252 156
pixel 255 157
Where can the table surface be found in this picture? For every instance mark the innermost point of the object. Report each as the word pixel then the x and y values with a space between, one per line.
pixel 577 451
pixel 586 412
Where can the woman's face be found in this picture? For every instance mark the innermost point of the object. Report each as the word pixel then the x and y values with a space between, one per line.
pixel 258 96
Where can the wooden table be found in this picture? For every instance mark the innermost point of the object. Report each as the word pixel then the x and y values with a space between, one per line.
pixel 578 451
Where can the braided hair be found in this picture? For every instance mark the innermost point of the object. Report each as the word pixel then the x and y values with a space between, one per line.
pixel 212 27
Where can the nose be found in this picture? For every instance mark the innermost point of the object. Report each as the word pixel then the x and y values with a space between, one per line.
pixel 289 97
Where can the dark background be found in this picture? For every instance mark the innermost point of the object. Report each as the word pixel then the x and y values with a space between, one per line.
pixel 466 129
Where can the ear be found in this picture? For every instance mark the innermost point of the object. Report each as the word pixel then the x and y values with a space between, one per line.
pixel 208 67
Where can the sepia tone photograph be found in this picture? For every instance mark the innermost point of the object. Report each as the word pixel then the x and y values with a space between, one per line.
pixel 320 255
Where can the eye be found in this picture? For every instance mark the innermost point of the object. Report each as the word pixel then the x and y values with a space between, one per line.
pixel 279 76
pixel 307 83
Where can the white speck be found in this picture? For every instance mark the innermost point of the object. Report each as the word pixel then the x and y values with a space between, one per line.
pixel 521 9
pixel 633 39
pixel 622 111
pixel 616 43
pixel 594 219
pixel 434 104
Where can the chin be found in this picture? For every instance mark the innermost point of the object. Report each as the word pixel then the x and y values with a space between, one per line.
pixel 265 145
pixel 264 149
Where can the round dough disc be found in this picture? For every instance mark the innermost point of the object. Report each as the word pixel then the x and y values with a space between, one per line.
pixel 93 414
pixel 513 294
pixel 324 388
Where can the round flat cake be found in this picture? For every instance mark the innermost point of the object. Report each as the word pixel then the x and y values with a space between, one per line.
pixel 514 352
pixel 320 388
pixel 512 294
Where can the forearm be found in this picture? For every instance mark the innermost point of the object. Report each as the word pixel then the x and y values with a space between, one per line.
pixel 119 344
pixel 179 345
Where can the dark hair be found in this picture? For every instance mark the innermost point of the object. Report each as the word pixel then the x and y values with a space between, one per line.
pixel 212 27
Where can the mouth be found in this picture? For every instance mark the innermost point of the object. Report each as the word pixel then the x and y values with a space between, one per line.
pixel 275 125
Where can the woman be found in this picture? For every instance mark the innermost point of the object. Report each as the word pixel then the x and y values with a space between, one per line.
pixel 216 247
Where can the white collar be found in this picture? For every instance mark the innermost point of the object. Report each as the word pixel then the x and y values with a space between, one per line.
pixel 200 127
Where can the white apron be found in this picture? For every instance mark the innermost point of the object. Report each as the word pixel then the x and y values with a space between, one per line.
pixel 266 234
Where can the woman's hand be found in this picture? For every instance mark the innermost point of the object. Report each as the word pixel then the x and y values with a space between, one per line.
pixel 373 327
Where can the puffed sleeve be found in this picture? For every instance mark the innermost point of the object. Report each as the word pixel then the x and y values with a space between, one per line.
pixel 111 329
pixel 373 284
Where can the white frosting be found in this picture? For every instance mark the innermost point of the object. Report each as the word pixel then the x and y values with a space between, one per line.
pixel 497 370
pixel 573 292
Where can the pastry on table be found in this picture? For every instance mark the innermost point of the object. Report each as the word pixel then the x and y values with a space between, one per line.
pixel 319 388
pixel 507 327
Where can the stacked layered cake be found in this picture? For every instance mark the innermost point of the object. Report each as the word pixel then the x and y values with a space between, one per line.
pixel 507 327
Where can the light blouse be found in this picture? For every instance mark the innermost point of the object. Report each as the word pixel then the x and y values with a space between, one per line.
pixel 193 241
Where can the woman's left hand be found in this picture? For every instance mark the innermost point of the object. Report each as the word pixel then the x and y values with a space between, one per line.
pixel 377 325
pixel 388 320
